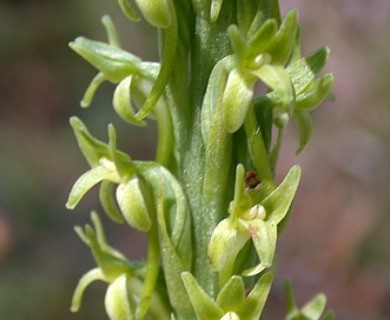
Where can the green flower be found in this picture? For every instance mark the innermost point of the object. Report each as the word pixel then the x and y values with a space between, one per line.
pixel 135 78
pixel 232 303
pixel 260 56
pixel 110 167
pixel 251 217
pixel 113 268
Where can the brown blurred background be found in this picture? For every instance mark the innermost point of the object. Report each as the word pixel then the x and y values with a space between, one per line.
pixel 338 239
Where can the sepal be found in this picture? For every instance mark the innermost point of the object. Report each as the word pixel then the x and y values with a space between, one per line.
pixel 312 310
pixel 278 203
pixel 282 45
pixel 88 180
pixel 114 63
pixel 84 282
pixel 305 128
pixel 204 306
pixel 254 303
pixel 303 71
pixel 314 93
pixel 232 294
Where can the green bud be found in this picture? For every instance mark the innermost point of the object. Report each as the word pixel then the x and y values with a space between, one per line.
pixel 108 203
pixel 282 119
pixel 131 201
pixel 117 300
pixel 127 10
pixel 236 99
pixel 256 212
pixel 225 243
pixel 156 12
pixel 230 316
pixel 215 9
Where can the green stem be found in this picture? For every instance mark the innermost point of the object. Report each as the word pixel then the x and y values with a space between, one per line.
pixel 210 44
pixel 170 35
pixel 165 138
pixel 276 149
pixel 149 283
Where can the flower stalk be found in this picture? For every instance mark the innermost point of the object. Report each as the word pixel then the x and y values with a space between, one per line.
pixel 209 203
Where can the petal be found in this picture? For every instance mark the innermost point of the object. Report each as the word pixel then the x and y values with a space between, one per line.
pixel 92 148
pixel 84 282
pixel 86 182
pixel 91 90
pixel 281 47
pixel 303 71
pixel 232 294
pixel 315 93
pixel 253 305
pixel 313 309
pixel 264 236
pixel 122 102
pixel 305 128
pixel 277 78
pixel 108 202
pixel 279 201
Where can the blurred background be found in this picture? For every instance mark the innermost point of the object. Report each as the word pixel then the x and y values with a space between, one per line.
pixel 338 240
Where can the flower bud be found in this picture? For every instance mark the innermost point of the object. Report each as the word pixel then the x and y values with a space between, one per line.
pixel 117 300
pixel 132 203
pixel 156 12
pixel 225 243
pixel 236 100
pixel 230 316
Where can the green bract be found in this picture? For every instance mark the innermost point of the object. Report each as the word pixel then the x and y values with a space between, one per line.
pixel 208 204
